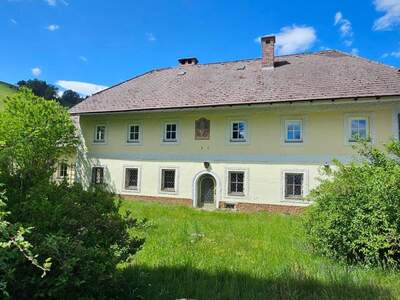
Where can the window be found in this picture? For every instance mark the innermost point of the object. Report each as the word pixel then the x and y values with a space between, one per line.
pixel 168 180
pixel 131 178
pixel 398 126
pixel 170 132
pixel 97 175
pixel 134 133
pixel 100 134
pixel 359 129
pixel 238 131
pixel 293 131
pixel 294 185
pixel 236 183
pixel 63 170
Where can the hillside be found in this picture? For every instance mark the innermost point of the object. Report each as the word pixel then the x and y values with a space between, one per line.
pixel 6 90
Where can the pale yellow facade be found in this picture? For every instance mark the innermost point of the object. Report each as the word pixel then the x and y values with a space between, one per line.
pixel 264 157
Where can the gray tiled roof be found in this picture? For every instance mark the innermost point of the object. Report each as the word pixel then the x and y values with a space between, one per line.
pixel 318 75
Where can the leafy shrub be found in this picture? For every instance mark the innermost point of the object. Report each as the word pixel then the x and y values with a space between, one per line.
pixel 80 230
pixel 356 214
pixel 83 233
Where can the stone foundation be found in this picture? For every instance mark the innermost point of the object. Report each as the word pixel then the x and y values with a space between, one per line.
pixel 240 206
pixel 169 200
pixel 254 207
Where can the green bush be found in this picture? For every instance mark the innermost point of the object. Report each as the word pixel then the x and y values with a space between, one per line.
pixel 83 233
pixel 356 214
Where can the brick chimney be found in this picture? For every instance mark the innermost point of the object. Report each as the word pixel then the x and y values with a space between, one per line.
pixel 268 52
pixel 188 61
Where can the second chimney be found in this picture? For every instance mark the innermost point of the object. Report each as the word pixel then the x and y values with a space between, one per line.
pixel 268 52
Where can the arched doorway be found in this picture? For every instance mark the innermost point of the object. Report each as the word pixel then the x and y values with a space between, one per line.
pixel 206 191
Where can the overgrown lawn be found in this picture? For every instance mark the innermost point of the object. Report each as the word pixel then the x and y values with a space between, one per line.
pixel 198 254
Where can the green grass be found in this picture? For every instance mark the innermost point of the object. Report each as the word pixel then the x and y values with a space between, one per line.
pixel 6 90
pixel 196 254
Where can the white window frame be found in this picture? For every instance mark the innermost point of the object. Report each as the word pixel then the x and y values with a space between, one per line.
pixel 97 141
pixel 139 179
pixel 134 142
pixel 305 187
pixel 287 122
pixel 104 174
pixel 368 128
pixel 245 140
pixel 245 183
pixel 161 181
pixel 396 124
pixel 59 175
pixel 164 139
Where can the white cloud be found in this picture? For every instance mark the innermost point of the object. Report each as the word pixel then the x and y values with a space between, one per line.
pixel 83 58
pixel 395 54
pixel 36 71
pixel 391 17
pixel 53 27
pixel 292 39
pixel 13 21
pixel 355 51
pixel 348 43
pixel 55 2
pixel 83 88
pixel 345 26
pixel 151 37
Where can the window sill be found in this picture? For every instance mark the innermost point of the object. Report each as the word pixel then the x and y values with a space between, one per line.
pixel 170 141
pixel 293 142
pixel 236 194
pixel 99 142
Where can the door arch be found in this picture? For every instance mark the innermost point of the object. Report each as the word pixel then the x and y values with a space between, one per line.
pixel 203 183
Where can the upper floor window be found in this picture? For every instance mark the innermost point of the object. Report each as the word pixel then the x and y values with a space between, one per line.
pixel 238 131
pixel 294 185
pixel 358 129
pixel 293 131
pixel 97 175
pixel 134 133
pixel 168 180
pixel 100 134
pixel 63 170
pixel 131 178
pixel 236 183
pixel 170 132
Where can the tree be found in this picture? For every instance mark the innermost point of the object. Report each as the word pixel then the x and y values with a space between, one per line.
pixel 40 88
pixel 70 98
pixel 81 230
pixel 356 214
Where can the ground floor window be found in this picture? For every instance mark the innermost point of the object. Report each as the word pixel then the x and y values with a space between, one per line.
pixel 97 175
pixel 236 183
pixel 131 178
pixel 294 185
pixel 63 170
pixel 168 177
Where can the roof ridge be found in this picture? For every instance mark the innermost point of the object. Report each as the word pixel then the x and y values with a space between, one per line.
pixel 368 60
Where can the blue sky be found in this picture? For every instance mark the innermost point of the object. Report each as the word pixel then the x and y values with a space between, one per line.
pixel 75 43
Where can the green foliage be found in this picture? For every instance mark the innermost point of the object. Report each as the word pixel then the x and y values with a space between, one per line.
pixel 40 88
pixel 70 98
pixel 197 254
pixel 34 133
pixel 12 245
pixel 81 231
pixel 356 214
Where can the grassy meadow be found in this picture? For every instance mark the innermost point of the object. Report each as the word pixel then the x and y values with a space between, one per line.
pixel 197 254
pixel 5 90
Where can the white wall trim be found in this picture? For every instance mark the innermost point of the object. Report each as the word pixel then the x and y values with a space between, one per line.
pixel 217 188
pixel 178 132
pixel 304 122
pixel 244 158
pixel 362 115
pixel 139 168
pixel 176 191
pixel 306 187
pixel 229 132
pixel 128 127
pixel 246 191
